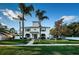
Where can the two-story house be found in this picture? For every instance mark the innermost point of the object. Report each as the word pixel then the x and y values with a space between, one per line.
pixel 33 31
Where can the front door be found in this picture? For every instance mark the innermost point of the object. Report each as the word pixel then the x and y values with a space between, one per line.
pixel 35 36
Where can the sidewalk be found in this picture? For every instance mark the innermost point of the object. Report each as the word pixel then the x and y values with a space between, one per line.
pixel 29 44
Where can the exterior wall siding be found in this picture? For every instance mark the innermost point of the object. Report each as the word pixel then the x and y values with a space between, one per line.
pixel 36 31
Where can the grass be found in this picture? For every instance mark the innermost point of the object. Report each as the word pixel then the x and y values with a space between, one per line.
pixel 12 42
pixel 39 50
pixel 56 42
pixel 25 41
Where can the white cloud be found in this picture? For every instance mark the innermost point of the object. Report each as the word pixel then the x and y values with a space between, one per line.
pixel 0 18
pixel 10 14
pixel 69 19
pixel 3 24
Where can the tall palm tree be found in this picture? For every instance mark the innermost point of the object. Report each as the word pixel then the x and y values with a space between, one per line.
pixel 41 17
pixel 25 10
pixel 19 18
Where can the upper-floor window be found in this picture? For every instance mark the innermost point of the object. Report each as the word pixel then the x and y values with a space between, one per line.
pixel 43 29
pixel 34 28
pixel 27 29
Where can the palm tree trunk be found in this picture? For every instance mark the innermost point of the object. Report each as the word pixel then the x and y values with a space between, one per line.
pixel 19 29
pixel 40 29
pixel 23 27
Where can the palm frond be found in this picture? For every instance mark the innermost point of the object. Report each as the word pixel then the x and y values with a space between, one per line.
pixel 40 14
pixel 20 17
pixel 37 12
pixel 22 7
pixel 26 9
pixel 31 8
pixel 43 11
pixel 45 17
pixel 29 14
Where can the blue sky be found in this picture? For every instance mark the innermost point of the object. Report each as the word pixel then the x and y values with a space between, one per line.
pixel 55 11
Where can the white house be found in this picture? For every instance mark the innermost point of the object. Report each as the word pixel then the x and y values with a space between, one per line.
pixel 33 31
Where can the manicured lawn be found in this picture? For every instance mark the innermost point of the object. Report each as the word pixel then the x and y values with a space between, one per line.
pixel 39 50
pixel 56 42
pixel 8 42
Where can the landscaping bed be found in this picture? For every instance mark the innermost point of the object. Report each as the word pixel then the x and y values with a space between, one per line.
pixel 56 42
pixel 39 50
pixel 14 42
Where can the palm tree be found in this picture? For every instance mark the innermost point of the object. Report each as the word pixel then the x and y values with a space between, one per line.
pixel 25 10
pixel 19 18
pixel 41 17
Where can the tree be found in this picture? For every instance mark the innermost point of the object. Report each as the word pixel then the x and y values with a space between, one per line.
pixel 74 27
pixel 55 33
pixel 41 17
pixel 68 30
pixel 12 30
pixel 19 18
pixel 3 28
pixel 25 10
pixel 6 32
pixel 58 27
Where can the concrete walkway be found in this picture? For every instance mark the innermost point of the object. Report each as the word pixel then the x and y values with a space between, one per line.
pixel 43 45
pixel 31 42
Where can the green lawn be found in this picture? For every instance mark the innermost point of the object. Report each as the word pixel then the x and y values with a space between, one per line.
pixel 56 42
pixel 39 50
pixel 25 41
pixel 12 42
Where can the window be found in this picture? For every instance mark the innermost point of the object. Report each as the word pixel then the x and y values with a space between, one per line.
pixel 34 28
pixel 43 29
pixel 27 29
